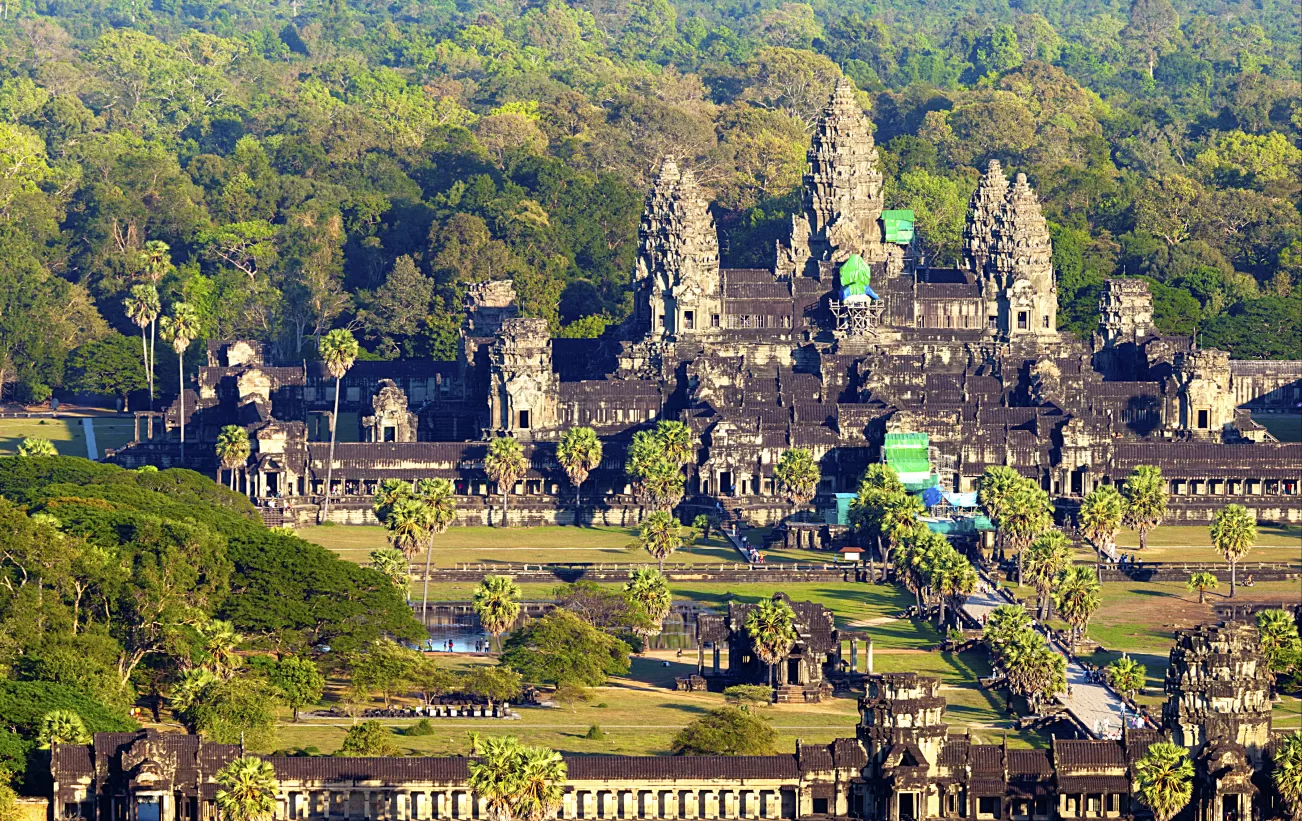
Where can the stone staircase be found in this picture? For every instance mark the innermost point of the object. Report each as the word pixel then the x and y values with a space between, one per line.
pixel 789 694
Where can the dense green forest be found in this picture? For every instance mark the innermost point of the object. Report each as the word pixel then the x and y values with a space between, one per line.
pixel 292 166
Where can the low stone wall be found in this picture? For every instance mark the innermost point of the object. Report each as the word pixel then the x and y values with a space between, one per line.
pixel 1172 572
pixel 775 575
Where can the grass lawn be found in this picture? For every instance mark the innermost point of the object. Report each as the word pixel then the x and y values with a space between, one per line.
pixel 66 433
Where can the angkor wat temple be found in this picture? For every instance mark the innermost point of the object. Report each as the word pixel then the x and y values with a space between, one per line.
pixel 902 765
pixel 849 336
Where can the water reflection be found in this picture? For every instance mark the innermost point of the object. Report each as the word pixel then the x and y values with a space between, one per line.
pixel 457 641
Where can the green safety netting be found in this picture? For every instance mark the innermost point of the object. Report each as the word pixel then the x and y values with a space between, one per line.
pixel 898 225
pixel 907 453
pixel 855 276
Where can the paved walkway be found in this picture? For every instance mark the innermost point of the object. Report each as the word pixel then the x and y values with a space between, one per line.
pixel 92 449
pixel 1099 710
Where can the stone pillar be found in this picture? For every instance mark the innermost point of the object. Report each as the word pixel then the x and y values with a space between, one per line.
pixel 716 658
pixel 567 805
pixel 700 656
pixel 589 803
pixel 854 655
pixel 870 656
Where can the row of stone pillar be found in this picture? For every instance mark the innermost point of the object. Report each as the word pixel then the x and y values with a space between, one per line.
pixel 671 804
pixel 379 804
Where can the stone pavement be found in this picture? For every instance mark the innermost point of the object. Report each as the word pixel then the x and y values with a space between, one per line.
pixel 1095 707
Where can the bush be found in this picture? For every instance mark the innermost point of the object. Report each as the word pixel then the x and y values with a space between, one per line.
pixel 748 694
pixel 725 731
pixel 422 727
pixel 367 740
pixel 594 733
pixel 24 703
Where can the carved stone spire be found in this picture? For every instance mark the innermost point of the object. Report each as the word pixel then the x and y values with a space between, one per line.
pixel 1020 266
pixel 677 273
pixel 984 208
pixel 842 194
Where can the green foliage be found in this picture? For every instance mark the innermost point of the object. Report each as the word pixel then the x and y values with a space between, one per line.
pixel 24 704
pixel 725 731
pixel 1164 779
pixel 747 695
pixel 594 733
pixel 228 711
pixel 1279 641
pixel 367 740
pixel 420 728
pixel 561 648
pixel 298 682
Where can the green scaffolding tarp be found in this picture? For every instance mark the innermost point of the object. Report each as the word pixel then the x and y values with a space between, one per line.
pixel 898 225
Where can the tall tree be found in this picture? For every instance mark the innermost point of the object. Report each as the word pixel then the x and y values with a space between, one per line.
pixel 181 328
pixel 1026 514
pixel 338 350
pixel 394 566
pixel 798 475
pixel 771 628
pixel 438 511
pixel 661 535
pixel 1234 529
pixel 1287 772
pixel 1279 641
pixel 298 681
pixel 233 450
pixel 579 453
pixel 1126 675
pixel 505 465
pixel 406 526
pixel 247 790
pixel 496 601
pixel 516 782
pixel 143 308
pixel 1076 595
pixel 1101 514
pixel 649 594
pixel 1201 582
pixel 1152 25
pixel 1164 779
pixel 1146 497
pixel 1048 556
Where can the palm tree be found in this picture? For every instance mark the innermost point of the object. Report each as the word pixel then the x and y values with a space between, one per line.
pixel 339 351
pixel 1101 514
pixel 996 482
pixel 233 450
pixel 393 564
pixel 406 526
pixel 62 727
pixel 1048 555
pixel 1287 772
pixel 950 575
pixel 1233 531
pixel 517 783
pixel 1004 624
pixel 1032 669
pixel 1280 643
pixel 1025 515
pixel 677 442
pixel 579 453
pixel 438 507
pixel 798 475
pixel 1127 676
pixel 661 535
pixel 1146 495
pixel 911 558
pixel 897 517
pixel 1201 582
pixel 248 790
pixel 1164 779
pixel 219 642
pixel 497 603
pixel 387 495
pixel 771 626
pixel 662 485
pixel 143 308
pixel 181 328
pixel 34 448
pixel 1077 596
pixel 650 596
pixel 505 464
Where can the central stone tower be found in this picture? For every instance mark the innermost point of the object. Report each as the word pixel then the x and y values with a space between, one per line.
pixel 1019 271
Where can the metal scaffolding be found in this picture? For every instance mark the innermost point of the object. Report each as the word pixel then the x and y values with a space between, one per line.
pixel 857 317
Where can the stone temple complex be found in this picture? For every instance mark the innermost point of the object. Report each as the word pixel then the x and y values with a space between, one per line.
pixel 902 765
pixel 850 335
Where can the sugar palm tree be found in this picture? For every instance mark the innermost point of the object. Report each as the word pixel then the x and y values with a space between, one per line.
pixel 438 509
pixel 62 727
pixel 950 575
pixel 1279 639
pixel 505 464
pixel 406 526
pixel 650 596
pixel 392 563
pixel 897 519
pixel 517 783
pixel 1004 624
pixel 1233 531
pixel 1101 514
pixel 35 448
pixel 996 483
pixel 771 627
pixel 1164 779
pixel 220 639
pixel 1048 555
pixel 1146 496
pixel 798 475
pixel 181 328
pixel 389 492
pixel 1201 582
pixel 677 442
pixel 1025 515
pixel 542 784
pixel 233 449
pixel 143 307
pixel 579 453
pixel 661 535
pixel 497 604
pixel 339 351
pixel 1126 675
pixel 1032 669
pixel 1286 775
pixel 1077 595
pixel 248 790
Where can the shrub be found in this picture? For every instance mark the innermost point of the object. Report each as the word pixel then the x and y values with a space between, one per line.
pixel 422 727
pixel 725 731
pixel 594 733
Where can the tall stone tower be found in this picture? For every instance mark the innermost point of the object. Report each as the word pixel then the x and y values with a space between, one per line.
pixel 902 728
pixel 523 393
pixel 1218 689
pixel 1205 393
pixel 1020 268
pixel 983 210
pixel 842 195
pixel 677 278
pixel 1125 311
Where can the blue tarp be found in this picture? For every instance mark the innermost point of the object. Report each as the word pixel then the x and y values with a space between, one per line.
pixel 962 499
pixel 933 496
